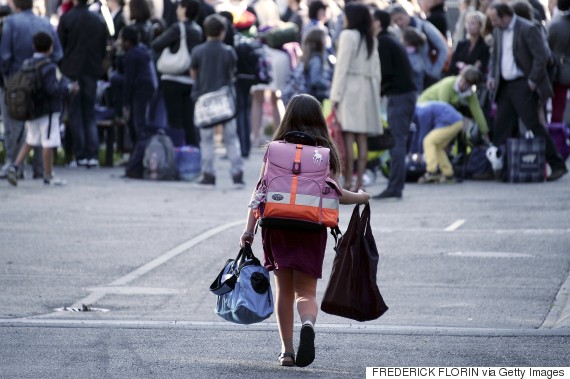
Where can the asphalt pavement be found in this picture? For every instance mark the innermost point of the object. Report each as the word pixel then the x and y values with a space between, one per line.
pixel 475 274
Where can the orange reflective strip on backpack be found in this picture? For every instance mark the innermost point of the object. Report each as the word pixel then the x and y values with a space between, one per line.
pixel 291 211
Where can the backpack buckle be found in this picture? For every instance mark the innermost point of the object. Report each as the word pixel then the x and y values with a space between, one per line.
pixel 296 168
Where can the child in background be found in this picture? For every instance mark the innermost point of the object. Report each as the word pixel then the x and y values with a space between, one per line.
pixel 44 130
pixel 297 256
pixel 213 67
pixel 141 82
pixel 317 68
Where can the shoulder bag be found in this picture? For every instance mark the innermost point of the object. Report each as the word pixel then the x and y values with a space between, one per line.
pixel 243 289
pixel 175 63
pixel 352 291
pixel 215 108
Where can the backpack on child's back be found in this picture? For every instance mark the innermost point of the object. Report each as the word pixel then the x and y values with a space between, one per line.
pixel 296 190
pixel 25 95
pixel 253 64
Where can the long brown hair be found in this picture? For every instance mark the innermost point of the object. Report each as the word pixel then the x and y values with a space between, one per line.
pixel 304 114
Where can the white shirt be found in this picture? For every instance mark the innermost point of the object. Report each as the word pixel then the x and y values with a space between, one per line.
pixel 509 68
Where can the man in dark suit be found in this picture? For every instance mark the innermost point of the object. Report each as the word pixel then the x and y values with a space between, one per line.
pixel 83 37
pixel 519 79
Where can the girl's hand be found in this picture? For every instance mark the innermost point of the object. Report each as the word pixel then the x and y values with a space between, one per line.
pixel 364 197
pixel 246 237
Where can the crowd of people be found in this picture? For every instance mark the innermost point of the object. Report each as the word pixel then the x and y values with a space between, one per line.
pixel 498 68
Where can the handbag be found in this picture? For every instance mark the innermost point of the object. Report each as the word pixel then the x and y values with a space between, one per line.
pixel 214 108
pixel 381 142
pixel 175 63
pixel 526 159
pixel 335 130
pixel 352 291
pixel 243 289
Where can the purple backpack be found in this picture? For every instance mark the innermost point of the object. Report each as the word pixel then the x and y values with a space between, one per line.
pixel 296 190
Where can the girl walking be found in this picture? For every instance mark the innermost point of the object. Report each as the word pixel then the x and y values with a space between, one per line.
pixel 296 257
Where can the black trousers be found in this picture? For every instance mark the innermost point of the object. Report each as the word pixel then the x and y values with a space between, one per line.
pixel 516 100
pixel 180 109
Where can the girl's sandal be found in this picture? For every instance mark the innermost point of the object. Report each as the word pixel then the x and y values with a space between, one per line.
pixel 287 359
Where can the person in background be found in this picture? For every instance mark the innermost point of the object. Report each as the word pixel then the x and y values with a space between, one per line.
pixel 177 89
pixel 460 92
pixel 20 26
pixel 438 124
pixel 44 130
pixel 213 67
pixel 473 50
pixel 399 87
pixel 83 36
pixel 355 91
pixel 296 12
pixel 519 80
pixel 141 82
pixel 435 40
pixel 559 42
pixel 295 257
pixel 316 65
pixel 140 15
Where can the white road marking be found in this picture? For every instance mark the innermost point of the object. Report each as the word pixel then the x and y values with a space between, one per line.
pixel 133 275
pixel 264 326
pixel 456 225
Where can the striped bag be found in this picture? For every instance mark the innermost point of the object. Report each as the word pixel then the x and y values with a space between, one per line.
pixel 296 191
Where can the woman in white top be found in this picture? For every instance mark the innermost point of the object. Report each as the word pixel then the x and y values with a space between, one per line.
pixel 355 91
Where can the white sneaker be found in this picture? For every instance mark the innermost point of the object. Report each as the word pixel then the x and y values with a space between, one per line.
pixel 54 182
pixel 92 163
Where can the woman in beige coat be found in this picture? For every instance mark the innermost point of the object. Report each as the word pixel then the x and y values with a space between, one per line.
pixel 355 91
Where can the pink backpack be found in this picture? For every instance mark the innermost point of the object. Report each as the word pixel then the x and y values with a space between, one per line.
pixel 296 190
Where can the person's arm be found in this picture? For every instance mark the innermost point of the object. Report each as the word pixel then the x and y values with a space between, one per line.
pixel 349 197
pixel 6 48
pixel 439 43
pixel 249 230
pixel 540 55
pixel 57 53
pixel 166 39
pixel 477 114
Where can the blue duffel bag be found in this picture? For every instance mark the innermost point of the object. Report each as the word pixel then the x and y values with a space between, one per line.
pixel 243 290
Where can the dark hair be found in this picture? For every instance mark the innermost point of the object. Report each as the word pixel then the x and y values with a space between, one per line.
pixel 398 9
pixel 472 75
pixel 214 25
pixel 563 5
pixel 383 17
pixel 24 4
pixel 523 9
pixel 359 18
pixel 42 42
pixel 502 9
pixel 139 10
pixel 304 114
pixel 313 43
pixel 315 7
pixel 413 37
pixel 192 8
pixel 130 33
pixel 82 2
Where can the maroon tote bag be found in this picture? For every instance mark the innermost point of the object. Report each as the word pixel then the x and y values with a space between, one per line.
pixel 352 291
